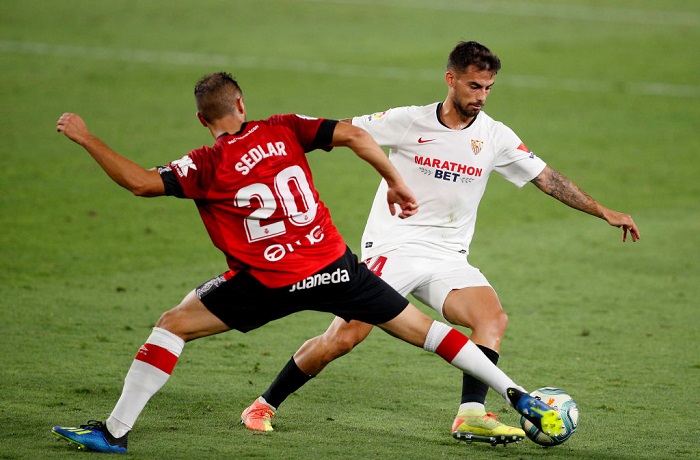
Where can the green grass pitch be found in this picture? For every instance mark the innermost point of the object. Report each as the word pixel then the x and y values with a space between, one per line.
pixel 608 92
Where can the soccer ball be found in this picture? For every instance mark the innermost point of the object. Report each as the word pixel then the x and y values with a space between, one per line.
pixel 568 410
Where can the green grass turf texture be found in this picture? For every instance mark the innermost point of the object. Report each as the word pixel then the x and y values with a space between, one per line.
pixel 606 92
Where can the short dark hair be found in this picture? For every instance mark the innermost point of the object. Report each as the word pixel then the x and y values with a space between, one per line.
pixel 215 95
pixel 475 54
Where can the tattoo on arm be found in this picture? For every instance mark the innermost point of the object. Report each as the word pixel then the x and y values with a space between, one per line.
pixel 560 187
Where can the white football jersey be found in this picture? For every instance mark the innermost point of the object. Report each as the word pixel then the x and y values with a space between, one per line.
pixel 447 170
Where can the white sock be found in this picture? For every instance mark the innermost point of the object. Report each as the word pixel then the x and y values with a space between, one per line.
pixel 455 348
pixel 148 373
pixel 472 406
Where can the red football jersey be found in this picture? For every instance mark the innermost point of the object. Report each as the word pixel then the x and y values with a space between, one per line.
pixel 256 196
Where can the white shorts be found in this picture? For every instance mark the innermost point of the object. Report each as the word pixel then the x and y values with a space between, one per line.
pixel 429 273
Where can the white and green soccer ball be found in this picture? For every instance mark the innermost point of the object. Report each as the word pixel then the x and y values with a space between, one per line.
pixel 562 402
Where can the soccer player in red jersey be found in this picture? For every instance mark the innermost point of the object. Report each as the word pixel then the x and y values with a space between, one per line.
pixel 255 194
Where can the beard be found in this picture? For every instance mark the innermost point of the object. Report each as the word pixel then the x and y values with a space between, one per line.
pixel 466 111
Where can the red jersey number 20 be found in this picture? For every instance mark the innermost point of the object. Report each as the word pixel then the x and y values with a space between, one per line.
pixel 300 207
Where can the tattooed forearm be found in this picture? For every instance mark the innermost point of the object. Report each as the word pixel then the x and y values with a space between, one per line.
pixel 560 187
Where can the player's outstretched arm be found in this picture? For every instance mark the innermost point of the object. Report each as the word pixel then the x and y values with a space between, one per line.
pixel 560 187
pixel 130 175
pixel 366 148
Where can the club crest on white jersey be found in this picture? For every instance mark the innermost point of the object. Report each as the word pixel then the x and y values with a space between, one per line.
pixel 476 146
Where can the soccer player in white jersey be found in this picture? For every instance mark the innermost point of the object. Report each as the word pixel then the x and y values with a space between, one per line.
pixel 445 151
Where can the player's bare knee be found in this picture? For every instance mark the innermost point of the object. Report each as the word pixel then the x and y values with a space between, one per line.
pixel 337 345
pixel 493 324
pixel 501 322
pixel 171 322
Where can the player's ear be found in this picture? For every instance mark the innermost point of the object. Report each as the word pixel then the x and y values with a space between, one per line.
pixel 449 78
pixel 240 105
pixel 202 120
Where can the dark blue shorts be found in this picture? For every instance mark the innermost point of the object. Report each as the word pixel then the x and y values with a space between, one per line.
pixel 344 288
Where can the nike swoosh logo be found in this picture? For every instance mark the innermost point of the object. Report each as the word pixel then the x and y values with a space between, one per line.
pixel 423 141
